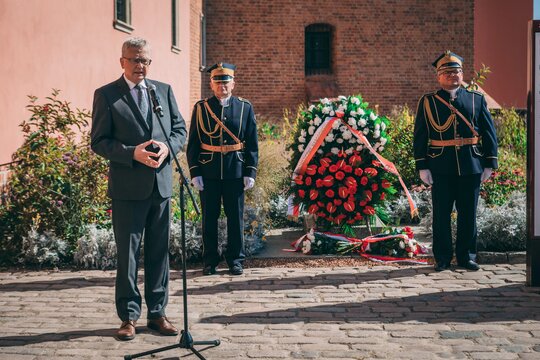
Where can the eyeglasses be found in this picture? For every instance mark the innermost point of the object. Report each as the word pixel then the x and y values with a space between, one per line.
pixel 135 61
pixel 452 72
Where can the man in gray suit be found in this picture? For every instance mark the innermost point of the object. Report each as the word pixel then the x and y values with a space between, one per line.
pixel 126 132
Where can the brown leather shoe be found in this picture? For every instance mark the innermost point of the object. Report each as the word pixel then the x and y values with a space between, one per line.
pixel 163 326
pixel 127 330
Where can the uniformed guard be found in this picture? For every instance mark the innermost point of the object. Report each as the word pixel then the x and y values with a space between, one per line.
pixel 455 149
pixel 222 154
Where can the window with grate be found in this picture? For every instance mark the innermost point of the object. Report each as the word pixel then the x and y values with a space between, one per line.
pixel 318 46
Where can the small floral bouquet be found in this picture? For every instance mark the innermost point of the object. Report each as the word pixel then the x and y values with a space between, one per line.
pixel 392 245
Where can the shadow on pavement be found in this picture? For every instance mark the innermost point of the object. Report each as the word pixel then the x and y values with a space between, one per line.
pixel 505 303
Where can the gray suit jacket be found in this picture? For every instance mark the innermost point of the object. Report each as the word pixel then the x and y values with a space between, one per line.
pixel 118 127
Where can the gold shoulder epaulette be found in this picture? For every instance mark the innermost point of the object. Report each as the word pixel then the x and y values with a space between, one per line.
pixel 475 92
pixel 430 93
pixel 202 101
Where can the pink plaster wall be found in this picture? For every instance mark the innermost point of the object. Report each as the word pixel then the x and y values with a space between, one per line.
pixel 71 45
pixel 500 42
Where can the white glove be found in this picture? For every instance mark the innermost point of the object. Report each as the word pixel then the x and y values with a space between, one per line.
pixel 198 183
pixel 486 174
pixel 426 177
pixel 248 182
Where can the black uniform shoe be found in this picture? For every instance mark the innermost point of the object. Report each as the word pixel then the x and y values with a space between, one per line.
pixel 236 269
pixel 469 265
pixel 209 270
pixel 442 266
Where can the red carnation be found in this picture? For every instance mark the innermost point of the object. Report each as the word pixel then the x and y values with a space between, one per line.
pixel 333 168
pixel 308 181
pixel 385 184
pixel 329 193
pixel 321 214
pixel 313 194
pixel 362 203
pixel 350 182
pixel 313 209
pixel 320 203
pixel 364 180
pixel 370 171
pixel 311 170
pixel 343 192
pixel 321 170
pixel 340 164
pixel 340 175
pixel 328 181
pixel 318 183
pixel 374 186
pixel 298 180
pixel 338 202
pixel 368 210
pixel 358 172
pixel 342 153
pixel 383 195
pixel 352 190
pixel 347 169
pixel 355 159
pixel 358 216
pixel 301 193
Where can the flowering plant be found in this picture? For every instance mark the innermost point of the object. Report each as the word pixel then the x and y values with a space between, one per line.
pixel 390 245
pixel 336 144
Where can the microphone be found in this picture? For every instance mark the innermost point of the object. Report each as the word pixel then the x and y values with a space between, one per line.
pixel 155 100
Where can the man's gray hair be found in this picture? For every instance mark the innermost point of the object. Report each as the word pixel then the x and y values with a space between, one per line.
pixel 135 42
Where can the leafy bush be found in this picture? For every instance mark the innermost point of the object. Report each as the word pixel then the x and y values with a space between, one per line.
pixel 511 131
pixel 508 178
pixel 400 147
pixel 56 184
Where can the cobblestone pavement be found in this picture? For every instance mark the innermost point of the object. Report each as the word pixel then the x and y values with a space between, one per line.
pixel 365 312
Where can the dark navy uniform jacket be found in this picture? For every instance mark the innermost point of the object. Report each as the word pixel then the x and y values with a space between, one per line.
pixel 433 122
pixel 238 116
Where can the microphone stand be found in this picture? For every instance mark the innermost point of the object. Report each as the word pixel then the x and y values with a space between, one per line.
pixel 186 340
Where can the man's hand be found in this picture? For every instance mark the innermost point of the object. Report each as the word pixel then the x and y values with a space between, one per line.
pixel 150 158
pixel 198 183
pixel 249 182
pixel 425 176
pixel 486 174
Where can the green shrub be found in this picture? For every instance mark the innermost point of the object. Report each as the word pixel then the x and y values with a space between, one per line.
pixel 508 178
pixel 511 131
pixel 56 183
pixel 400 147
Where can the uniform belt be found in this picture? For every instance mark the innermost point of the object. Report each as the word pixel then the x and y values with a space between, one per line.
pixel 455 142
pixel 222 148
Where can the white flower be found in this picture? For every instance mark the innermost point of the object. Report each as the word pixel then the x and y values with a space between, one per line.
pixel 352 140
pixel 311 130
pixel 320 151
pixel 336 124
pixel 329 137
pixel 341 108
pixel 310 235
pixel 325 101
pixel 372 116
pixel 366 131
pixel 326 109
pixel 362 122
pixel 301 139
pixel 359 148
pixel 311 107
pixel 317 121
pixel 339 140
pixel 334 150
pixel 381 148
pixel 383 126
pixel 383 140
pixel 360 111
pixel 341 97
pixel 355 100
pixel 353 113
pixel 310 122
pixel 306 246
pixel 402 244
pixel 303 133
pixel 347 135
pixel 410 254
pixel 349 151
pixel 351 121
pixel 376 133
pixel 301 147
pixel 323 143
pixel 332 113
pixel 377 126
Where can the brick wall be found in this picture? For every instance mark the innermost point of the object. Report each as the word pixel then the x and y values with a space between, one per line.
pixel 196 9
pixel 382 49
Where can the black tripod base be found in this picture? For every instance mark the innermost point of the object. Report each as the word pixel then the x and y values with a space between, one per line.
pixel 186 342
